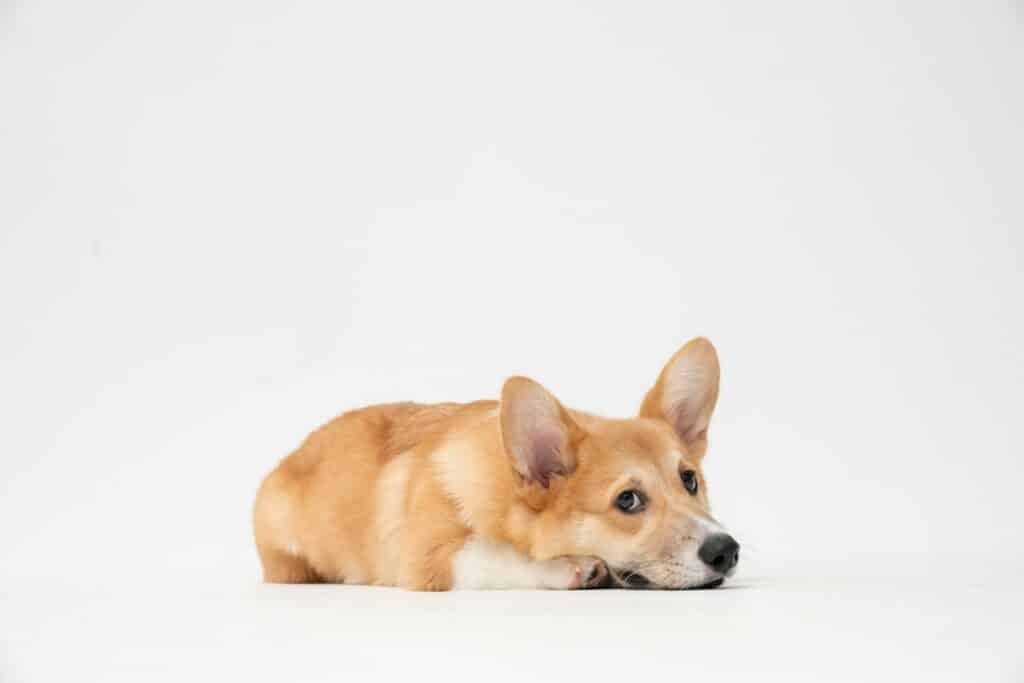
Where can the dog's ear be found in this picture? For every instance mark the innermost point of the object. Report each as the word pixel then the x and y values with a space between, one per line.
pixel 539 435
pixel 686 391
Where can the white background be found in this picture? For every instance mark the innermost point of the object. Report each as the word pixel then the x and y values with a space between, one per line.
pixel 221 223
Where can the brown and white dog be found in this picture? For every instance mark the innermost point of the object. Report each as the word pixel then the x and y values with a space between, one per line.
pixel 521 493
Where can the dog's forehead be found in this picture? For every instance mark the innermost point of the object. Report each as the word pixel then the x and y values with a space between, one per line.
pixel 643 439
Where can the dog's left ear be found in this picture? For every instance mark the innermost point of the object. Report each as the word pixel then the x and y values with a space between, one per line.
pixel 539 434
pixel 686 392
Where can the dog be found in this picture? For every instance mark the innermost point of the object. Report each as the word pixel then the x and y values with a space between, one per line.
pixel 520 493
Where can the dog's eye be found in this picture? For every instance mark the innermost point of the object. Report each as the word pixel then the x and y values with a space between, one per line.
pixel 689 478
pixel 630 501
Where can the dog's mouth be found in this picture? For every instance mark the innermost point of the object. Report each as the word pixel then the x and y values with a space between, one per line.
pixel 635 580
pixel 630 579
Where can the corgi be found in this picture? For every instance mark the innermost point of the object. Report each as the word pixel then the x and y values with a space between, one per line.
pixel 521 493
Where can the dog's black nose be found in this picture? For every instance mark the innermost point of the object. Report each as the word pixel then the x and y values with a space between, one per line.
pixel 721 552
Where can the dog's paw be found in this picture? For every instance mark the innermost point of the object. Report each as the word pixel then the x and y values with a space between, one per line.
pixel 588 572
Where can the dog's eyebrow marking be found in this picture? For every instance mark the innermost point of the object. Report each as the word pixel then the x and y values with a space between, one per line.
pixel 675 459
pixel 628 479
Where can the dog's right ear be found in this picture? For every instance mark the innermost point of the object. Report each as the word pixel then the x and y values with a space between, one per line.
pixel 539 435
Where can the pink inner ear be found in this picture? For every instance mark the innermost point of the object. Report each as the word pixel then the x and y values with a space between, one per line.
pixel 544 457
pixel 686 423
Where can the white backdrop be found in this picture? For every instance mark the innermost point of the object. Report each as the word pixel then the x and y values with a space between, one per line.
pixel 224 222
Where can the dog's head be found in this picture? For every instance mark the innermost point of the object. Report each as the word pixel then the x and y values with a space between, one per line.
pixel 630 492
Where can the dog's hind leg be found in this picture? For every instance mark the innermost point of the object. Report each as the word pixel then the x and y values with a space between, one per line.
pixel 281 567
pixel 279 553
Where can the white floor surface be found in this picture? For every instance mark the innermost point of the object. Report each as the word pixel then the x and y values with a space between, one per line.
pixel 788 627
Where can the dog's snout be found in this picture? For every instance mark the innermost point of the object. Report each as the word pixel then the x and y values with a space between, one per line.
pixel 721 552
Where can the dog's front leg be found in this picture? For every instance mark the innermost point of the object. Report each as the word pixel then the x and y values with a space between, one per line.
pixel 484 564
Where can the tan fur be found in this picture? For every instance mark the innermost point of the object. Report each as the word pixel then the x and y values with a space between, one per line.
pixel 389 494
